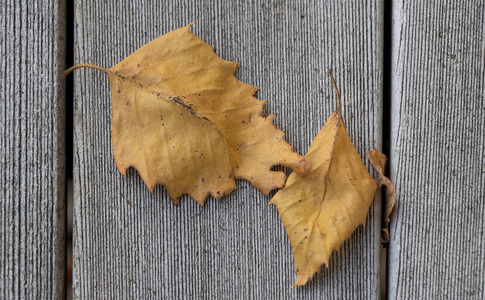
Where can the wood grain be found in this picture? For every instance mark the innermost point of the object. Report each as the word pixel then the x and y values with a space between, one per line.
pixel 437 247
pixel 130 243
pixel 32 199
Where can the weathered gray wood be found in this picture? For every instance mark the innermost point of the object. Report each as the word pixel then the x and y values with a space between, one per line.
pixel 130 243
pixel 32 209
pixel 438 124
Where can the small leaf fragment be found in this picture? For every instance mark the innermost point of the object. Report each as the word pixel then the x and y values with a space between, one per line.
pixel 322 208
pixel 378 162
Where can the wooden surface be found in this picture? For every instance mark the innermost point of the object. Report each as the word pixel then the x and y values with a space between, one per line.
pixel 130 243
pixel 437 162
pixel 32 201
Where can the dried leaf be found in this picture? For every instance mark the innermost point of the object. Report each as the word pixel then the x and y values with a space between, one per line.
pixel 182 119
pixel 321 209
pixel 378 161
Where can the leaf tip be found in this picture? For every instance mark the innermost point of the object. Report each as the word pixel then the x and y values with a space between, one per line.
pixel 192 23
pixel 339 109
pixel 175 201
pixel 151 188
pixel 301 280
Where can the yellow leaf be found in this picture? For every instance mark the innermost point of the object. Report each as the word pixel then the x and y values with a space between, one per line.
pixel 321 209
pixel 182 119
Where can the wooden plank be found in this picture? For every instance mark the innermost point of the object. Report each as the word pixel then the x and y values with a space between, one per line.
pixel 438 124
pixel 128 242
pixel 32 199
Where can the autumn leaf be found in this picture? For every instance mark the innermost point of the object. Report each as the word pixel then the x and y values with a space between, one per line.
pixel 378 162
pixel 182 119
pixel 321 209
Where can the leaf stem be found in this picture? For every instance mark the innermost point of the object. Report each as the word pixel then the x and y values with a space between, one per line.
pixel 336 90
pixel 84 66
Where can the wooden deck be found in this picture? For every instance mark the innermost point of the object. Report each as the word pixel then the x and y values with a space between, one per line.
pixel 412 79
